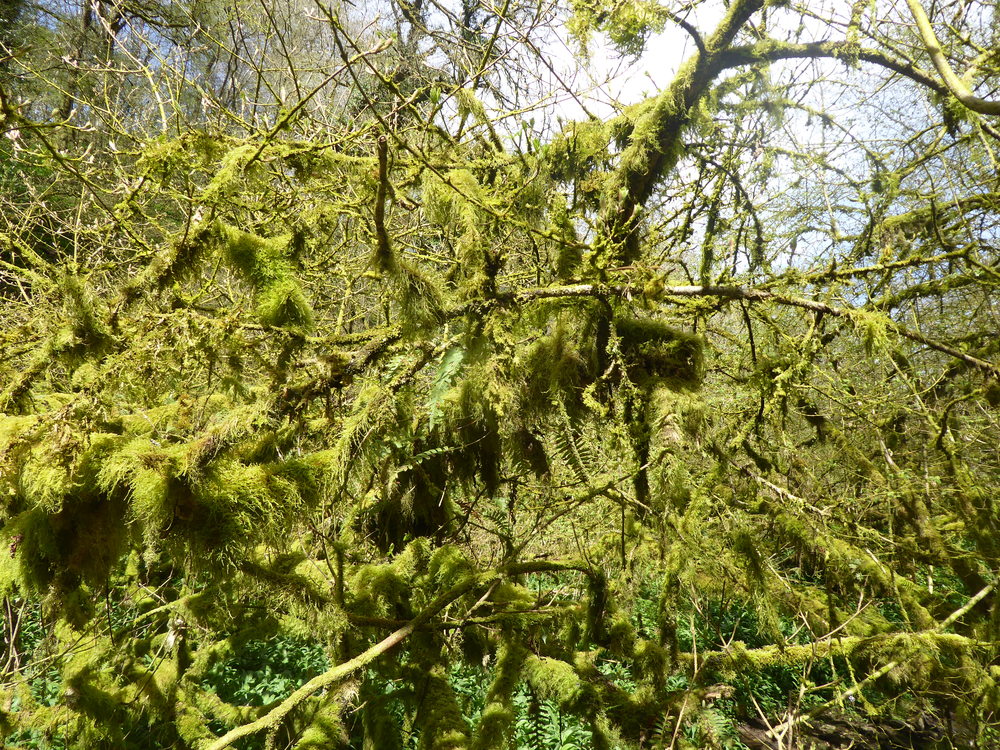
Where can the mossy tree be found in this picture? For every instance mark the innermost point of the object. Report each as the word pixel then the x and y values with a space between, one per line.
pixel 678 422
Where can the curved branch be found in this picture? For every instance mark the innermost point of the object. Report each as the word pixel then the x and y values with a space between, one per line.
pixel 691 30
pixel 653 150
pixel 771 51
pixel 955 84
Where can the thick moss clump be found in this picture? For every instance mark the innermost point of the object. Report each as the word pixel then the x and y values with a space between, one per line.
pixel 654 350
pixel 442 726
pixel 557 681
pixel 264 264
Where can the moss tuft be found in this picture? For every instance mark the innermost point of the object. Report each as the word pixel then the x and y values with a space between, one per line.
pixel 283 304
pixel 263 262
pixel 442 726
pixel 655 350
pixel 557 681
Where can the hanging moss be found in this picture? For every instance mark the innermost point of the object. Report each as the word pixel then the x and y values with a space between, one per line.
pixel 654 350
pixel 453 202
pixel 264 264
pixel 582 150
pixel 567 252
pixel 150 473
pixel 283 304
pixel 89 333
pixel 28 546
pixel 415 505
pixel 652 662
pixel 627 24
pixel 496 722
pixel 44 477
pixel 530 451
pixel 260 260
pixel 324 728
pixel 447 566
pixel 557 367
pixel 381 728
pixel 439 717
pixel 422 301
pixel 377 589
pixel 91 533
pixel 474 426
pixel 236 503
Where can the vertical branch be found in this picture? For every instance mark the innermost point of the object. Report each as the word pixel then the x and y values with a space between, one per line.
pixel 384 259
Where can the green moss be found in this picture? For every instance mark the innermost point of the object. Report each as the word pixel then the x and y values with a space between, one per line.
pixel 259 260
pixel 874 328
pixel 447 566
pixel 231 167
pixel 28 545
pixel 557 681
pixel 90 335
pixel 325 730
pixel 420 296
pixel 151 476
pixel 494 728
pixel 439 717
pixel 92 534
pixel 44 480
pixel 264 264
pixel 652 661
pixel 655 350
pixel 192 725
pixel 621 636
pixel 512 595
pixel 283 304
pixel 180 260
pixel 627 24
pixel 233 505
pixel 381 729
pixel 375 589
pixel 557 366
pixel 204 704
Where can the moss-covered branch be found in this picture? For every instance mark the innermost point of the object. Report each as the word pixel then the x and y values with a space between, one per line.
pixel 340 672
pixel 738 659
pixel 654 144
pixel 955 85
pixel 748 294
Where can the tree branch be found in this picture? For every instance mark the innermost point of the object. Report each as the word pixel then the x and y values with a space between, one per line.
pixel 955 84
pixel 340 672
pixel 773 50
pixel 910 651
pixel 653 150
pixel 750 295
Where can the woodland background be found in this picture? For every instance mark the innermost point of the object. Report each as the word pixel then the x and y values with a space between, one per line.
pixel 355 395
